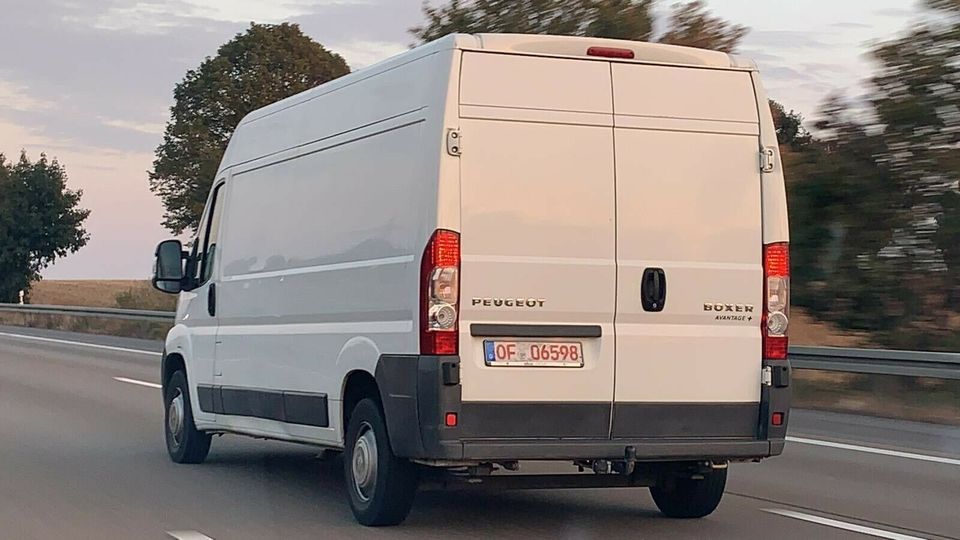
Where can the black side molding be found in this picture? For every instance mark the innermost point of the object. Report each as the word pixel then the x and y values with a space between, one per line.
pixel 293 407
pixel 536 330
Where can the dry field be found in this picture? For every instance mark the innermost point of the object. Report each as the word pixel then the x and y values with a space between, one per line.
pixel 130 294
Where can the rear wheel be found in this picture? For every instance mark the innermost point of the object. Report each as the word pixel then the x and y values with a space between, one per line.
pixel 185 443
pixel 686 497
pixel 381 486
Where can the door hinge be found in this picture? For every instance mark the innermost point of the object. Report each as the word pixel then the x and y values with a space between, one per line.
pixel 768 159
pixel 766 376
pixel 454 142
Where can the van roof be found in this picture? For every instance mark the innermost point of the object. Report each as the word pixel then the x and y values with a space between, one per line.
pixel 577 46
pixel 529 44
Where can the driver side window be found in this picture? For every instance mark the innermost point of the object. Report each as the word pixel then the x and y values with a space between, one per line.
pixel 205 244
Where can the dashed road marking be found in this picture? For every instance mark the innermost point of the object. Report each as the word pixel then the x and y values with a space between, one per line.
pixel 135 381
pixel 843 525
pixel 188 535
pixel 878 451
pixel 80 344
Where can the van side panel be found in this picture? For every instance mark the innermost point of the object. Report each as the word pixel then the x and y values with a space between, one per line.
pixel 316 254
pixel 322 241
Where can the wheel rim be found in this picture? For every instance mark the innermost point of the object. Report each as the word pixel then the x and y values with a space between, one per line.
pixel 364 462
pixel 175 418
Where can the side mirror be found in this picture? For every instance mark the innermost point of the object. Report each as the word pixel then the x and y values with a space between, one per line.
pixel 168 268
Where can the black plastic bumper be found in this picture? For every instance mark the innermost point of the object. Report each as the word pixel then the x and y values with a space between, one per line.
pixel 418 392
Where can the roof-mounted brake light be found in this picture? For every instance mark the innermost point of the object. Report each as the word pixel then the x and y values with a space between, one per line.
pixel 610 52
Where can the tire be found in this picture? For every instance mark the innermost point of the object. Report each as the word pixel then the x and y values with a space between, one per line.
pixel 185 443
pixel 382 494
pixel 687 498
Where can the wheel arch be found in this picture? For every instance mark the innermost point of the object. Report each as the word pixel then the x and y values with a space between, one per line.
pixel 357 385
pixel 171 363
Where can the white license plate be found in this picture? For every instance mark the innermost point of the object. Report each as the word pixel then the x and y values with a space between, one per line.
pixel 533 353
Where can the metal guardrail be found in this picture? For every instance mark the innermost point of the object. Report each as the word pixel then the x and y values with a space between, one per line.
pixel 868 361
pixel 111 313
pixel 878 361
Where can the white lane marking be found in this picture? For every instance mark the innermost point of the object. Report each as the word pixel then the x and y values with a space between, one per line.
pixel 81 343
pixel 879 533
pixel 188 535
pixel 871 450
pixel 134 381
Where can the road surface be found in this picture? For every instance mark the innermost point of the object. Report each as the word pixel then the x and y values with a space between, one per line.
pixel 82 456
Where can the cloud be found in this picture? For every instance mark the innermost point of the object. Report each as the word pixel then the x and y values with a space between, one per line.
pixel 18 97
pixel 825 69
pixel 362 53
pixel 785 39
pixel 132 125
pixel 850 25
pixel 759 56
pixel 900 13
pixel 164 17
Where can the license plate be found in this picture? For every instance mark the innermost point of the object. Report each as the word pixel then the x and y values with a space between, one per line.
pixel 533 353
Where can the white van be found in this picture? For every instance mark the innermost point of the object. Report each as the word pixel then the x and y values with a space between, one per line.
pixel 493 249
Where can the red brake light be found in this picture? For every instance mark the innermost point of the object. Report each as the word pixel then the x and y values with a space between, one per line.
pixel 776 300
pixel 610 52
pixel 440 294
pixel 776 259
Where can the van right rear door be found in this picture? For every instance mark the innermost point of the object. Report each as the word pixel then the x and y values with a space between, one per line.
pixel 689 253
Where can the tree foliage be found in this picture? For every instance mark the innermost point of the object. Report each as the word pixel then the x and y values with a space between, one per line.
pixel 260 66
pixel 40 221
pixel 916 96
pixel 625 19
pixel 691 24
pixel 874 199
pixel 789 126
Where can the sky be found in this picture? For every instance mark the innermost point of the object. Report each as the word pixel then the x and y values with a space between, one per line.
pixel 90 82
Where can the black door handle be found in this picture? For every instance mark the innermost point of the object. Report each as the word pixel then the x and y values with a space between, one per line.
pixel 212 300
pixel 653 289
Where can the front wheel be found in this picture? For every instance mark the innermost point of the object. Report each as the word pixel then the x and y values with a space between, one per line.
pixel 381 485
pixel 185 443
pixel 687 497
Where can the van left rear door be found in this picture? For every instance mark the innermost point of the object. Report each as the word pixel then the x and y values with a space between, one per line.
pixel 538 237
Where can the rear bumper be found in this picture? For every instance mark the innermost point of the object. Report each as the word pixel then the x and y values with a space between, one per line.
pixel 418 391
pixel 690 450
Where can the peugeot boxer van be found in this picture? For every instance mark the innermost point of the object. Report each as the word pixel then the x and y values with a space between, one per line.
pixel 490 250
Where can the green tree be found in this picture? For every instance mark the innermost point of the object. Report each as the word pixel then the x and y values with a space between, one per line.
pixel 624 19
pixel 40 221
pixel 916 97
pixel 789 126
pixel 260 66
pixel 690 24
pixel 845 210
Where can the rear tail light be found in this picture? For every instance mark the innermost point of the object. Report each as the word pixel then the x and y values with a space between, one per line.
pixel 440 294
pixel 776 306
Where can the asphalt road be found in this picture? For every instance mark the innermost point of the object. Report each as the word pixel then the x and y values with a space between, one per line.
pixel 82 456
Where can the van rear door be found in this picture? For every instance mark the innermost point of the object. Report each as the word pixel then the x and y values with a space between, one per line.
pixel 689 253
pixel 537 239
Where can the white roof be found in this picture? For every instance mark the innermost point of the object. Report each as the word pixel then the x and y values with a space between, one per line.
pixel 532 44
